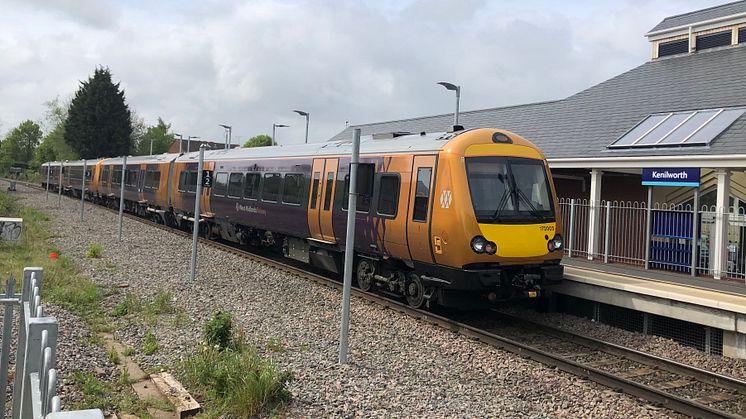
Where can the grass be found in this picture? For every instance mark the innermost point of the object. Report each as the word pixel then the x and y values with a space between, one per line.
pixel 130 304
pixel 94 251
pixel 129 351
pixel 124 376
pixel 233 379
pixel 275 344
pixel 113 356
pixel 149 343
pixel 161 304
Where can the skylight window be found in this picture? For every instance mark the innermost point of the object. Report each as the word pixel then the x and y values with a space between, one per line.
pixel 673 129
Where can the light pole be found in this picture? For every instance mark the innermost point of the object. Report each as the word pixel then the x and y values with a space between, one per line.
pixel 307 115
pixel 273 131
pixel 181 139
pixel 227 135
pixel 457 89
pixel 189 143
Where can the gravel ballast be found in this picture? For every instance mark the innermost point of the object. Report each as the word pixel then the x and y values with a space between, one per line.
pixel 398 366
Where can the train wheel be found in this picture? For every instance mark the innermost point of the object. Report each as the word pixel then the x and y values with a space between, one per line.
pixel 365 271
pixel 415 291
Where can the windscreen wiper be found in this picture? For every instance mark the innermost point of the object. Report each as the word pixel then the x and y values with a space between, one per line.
pixel 531 208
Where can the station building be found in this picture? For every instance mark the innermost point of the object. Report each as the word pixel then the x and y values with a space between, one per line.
pixel 648 165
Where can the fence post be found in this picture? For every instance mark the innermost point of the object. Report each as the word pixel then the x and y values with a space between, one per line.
pixel 570 234
pixel 695 232
pixel 30 276
pixel 10 287
pixel 648 225
pixel 607 231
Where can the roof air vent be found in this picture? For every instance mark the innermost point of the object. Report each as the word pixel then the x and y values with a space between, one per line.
pixel 456 128
pixel 390 135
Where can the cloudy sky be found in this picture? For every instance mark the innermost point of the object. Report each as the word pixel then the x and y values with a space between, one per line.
pixel 249 63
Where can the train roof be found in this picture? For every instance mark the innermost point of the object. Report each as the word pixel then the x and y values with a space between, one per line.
pixel 392 143
pixel 68 163
pixel 156 159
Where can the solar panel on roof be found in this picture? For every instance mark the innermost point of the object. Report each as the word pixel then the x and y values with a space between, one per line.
pixel 685 128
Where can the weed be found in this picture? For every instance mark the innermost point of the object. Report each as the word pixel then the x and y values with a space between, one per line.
pixel 96 393
pixel 159 404
pixel 95 340
pixel 124 376
pixel 275 344
pixel 162 303
pixel 180 318
pixel 129 351
pixel 94 251
pixel 219 330
pixel 129 305
pixel 114 356
pixel 149 343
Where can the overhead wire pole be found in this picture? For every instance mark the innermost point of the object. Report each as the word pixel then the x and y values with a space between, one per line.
pixel 49 171
pixel 59 186
pixel 349 248
pixel 82 189
pixel 121 196
pixel 195 228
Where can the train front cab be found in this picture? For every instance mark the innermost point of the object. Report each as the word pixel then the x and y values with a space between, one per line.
pixel 494 228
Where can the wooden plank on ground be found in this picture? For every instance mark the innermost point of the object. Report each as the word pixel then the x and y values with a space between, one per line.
pixel 181 399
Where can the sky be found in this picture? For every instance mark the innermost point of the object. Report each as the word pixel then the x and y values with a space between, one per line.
pixel 249 64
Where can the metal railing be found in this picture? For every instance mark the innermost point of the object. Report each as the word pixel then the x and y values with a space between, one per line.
pixel 670 237
pixel 35 383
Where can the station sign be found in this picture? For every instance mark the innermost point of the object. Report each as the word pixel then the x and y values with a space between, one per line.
pixel 688 176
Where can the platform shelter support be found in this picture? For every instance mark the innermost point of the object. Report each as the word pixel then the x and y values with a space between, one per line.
pixel 648 226
pixel 720 245
pixel 695 232
pixel 349 248
pixel 594 215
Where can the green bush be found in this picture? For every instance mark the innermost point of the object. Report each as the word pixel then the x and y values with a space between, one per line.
pixel 94 251
pixel 219 330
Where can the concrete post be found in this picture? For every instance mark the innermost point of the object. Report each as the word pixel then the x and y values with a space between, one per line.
pixel 720 244
pixel 594 214
pixel 195 226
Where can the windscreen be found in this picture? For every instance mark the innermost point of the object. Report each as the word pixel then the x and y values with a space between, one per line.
pixel 509 190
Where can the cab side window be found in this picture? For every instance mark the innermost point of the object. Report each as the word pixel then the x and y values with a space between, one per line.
pixel 388 195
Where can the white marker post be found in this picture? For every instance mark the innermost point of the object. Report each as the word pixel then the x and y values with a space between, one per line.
pixel 59 187
pixel 195 227
pixel 349 248
pixel 121 196
pixel 49 171
pixel 82 189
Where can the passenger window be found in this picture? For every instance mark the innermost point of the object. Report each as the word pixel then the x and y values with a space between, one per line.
pixel 116 178
pixel 328 194
pixel 388 195
pixel 422 194
pixel 271 189
pixel 105 175
pixel 220 184
pixel 291 193
pixel 235 184
pixel 191 181
pixel 156 180
pixel 130 179
pixel 251 187
pixel 182 181
pixel 315 189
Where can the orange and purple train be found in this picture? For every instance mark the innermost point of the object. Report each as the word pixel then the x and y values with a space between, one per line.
pixel 450 218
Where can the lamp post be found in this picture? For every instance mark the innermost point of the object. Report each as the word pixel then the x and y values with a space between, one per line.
pixel 181 139
pixel 228 138
pixel 189 142
pixel 307 115
pixel 457 89
pixel 273 131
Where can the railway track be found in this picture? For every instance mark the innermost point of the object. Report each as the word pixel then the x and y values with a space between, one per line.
pixel 663 382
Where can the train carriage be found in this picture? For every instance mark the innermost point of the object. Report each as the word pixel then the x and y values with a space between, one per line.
pixel 442 217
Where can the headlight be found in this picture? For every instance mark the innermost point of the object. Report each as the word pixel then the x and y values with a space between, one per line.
pixel 555 244
pixel 478 244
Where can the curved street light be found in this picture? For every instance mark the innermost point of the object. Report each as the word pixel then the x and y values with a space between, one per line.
pixel 307 115
pixel 457 89
pixel 273 131
pixel 227 135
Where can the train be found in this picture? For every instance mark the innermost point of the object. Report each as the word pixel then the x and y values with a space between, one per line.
pixel 459 219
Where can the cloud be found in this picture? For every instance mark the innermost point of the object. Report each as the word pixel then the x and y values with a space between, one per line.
pixel 249 64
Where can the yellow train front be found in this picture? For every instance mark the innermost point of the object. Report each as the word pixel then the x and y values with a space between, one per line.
pixel 494 232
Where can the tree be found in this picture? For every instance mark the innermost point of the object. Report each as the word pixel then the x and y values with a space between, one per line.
pixel 53 146
pixel 19 145
pixel 261 140
pixel 160 137
pixel 99 121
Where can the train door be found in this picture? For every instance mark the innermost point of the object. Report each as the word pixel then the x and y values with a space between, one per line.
pixel 321 199
pixel 420 205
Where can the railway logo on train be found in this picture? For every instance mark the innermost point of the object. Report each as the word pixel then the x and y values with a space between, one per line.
pixel 491 233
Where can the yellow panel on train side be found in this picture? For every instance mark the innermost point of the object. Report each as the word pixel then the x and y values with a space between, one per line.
pixel 519 240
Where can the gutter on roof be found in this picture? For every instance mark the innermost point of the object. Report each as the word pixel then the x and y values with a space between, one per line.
pixel 696 24
pixel 638 162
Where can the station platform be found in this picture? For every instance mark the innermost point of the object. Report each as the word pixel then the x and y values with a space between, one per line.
pixel 704 301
